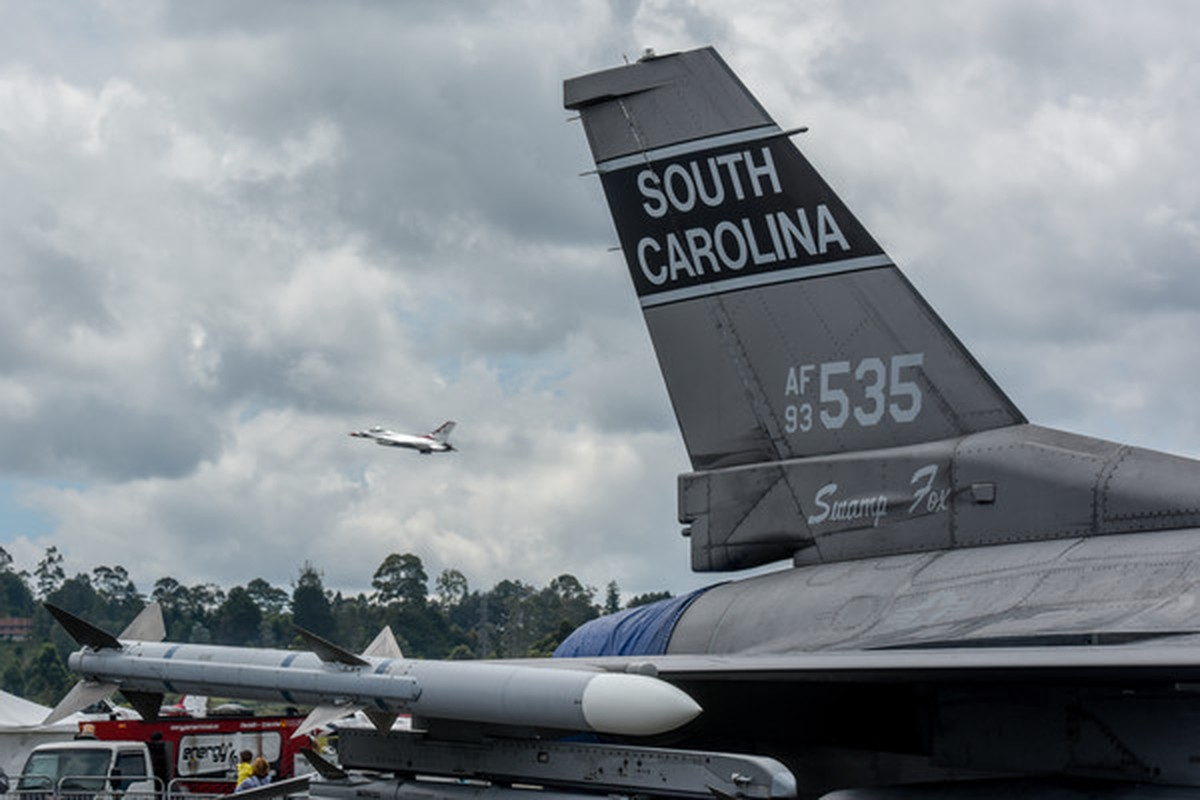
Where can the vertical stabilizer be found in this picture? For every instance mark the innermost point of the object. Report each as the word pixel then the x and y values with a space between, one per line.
pixel 441 434
pixel 782 328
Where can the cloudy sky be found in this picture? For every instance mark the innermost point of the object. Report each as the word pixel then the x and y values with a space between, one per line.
pixel 233 232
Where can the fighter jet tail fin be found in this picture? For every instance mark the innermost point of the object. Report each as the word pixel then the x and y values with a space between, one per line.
pixel 817 392
pixel 782 328
pixel 441 433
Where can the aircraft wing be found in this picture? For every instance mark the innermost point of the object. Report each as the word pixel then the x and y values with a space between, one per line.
pixel 1100 711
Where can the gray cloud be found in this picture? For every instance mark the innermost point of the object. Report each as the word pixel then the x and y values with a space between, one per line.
pixel 236 232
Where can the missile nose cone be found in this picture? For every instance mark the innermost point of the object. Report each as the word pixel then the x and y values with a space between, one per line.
pixel 635 705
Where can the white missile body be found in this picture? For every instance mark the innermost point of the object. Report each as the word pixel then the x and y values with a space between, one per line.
pixel 469 691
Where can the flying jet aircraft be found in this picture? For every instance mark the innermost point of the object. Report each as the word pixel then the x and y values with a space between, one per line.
pixel 437 441
pixel 975 606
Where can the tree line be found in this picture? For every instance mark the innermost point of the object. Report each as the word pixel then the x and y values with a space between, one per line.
pixel 512 619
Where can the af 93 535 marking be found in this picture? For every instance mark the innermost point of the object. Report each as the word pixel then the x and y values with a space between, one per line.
pixel 833 394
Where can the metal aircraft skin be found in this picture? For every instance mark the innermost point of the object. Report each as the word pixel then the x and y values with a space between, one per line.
pixel 975 606
pixel 437 441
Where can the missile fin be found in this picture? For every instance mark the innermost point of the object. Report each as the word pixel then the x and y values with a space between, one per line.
pixel 382 720
pixel 327 770
pixel 384 645
pixel 328 651
pixel 82 631
pixel 147 626
pixel 146 704
pixel 294 786
pixel 323 715
pixel 82 695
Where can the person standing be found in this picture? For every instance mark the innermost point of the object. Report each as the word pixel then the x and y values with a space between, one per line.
pixel 245 766
pixel 260 777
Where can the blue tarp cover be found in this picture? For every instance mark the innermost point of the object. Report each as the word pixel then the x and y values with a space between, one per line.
pixel 641 631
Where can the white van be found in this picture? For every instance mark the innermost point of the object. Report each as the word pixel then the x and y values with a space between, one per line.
pixel 84 769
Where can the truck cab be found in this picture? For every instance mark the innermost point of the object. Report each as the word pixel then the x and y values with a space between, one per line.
pixel 88 768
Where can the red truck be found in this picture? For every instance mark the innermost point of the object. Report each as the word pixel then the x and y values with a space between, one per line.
pixel 201 754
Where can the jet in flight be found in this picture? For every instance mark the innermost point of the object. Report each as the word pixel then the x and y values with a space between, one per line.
pixel 438 441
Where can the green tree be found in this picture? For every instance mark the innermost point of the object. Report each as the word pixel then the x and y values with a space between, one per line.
pixel 401 587
pixel 612 598
pixel 269 599
pixel 451 588
pixel 238 620
pixel 13 679
pixel 575 602
pixel 357 620
pixel 203 600
pixel 188 611
pixel 310 607
pixel 545 646
pixel 460 652
pixel 401 580
pixel 47 680
pixel 503 630
pixel 276 618
pixel 199 633
pixel 174 600
pixel 647 598
pixel 49 573
pixel 116 592
pixel 16 600
pixel 78 596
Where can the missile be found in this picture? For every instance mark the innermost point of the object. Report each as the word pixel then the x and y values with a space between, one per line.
pixel 380 682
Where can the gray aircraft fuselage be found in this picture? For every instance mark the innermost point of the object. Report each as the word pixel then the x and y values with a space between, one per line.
pixel 975 604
